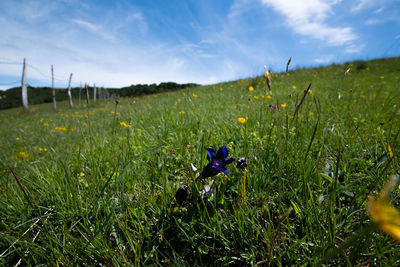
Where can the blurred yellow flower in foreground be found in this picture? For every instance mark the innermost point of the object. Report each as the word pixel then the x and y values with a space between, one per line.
pixel 241 120
pixel 251 88
pixel 22 155
pixel 63 128
pixel 283 105
pixel 390 151
pixel 125 125
pixel 383 214
pixel 182 112
pixel 194 96
pixel 294 86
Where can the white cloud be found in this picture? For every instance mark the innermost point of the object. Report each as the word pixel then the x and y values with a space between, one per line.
pixel 323 60
pixel 361 4
pixel 238 7
pixel 97 29
pixel 372 21
pixel 86 25
pixel 308 18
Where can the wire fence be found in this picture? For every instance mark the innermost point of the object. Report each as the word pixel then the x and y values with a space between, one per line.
pixel 46 76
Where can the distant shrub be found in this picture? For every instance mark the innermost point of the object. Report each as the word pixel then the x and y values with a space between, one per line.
pixel 361 65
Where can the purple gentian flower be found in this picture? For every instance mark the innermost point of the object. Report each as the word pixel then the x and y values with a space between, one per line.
pixel 217 162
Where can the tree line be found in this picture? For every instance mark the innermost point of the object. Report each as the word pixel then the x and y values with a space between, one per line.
pixel 12 98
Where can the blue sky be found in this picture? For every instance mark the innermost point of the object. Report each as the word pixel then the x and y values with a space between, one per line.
pixel 121 42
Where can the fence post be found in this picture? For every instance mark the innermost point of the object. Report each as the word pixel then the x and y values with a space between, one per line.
pixel 87 95
pixel 69 91
pixel 80 89
pixel 94 93
pixel 23 88
pixel 53 89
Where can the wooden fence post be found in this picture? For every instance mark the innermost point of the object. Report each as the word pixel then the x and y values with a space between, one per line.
pixel 87 95
pixel 53 89
pixel 69 91
pixel 94 93
pixel 80 89
pixel 23 88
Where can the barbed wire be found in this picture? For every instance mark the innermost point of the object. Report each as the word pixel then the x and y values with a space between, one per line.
pixel 10 63
pixel 39 71
pixel 10 83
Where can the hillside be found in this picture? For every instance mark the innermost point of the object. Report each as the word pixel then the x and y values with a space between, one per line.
pixel 99 185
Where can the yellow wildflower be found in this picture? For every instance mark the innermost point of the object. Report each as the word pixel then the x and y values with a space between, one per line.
pixel 383 214
pixel 85 124
pixel 179 100
pixel 182 112
pixel 269 96
pixel 310 91
pixel 283 105
pixel 251 88
pixel 221 89
pixel 294 86
pixel 16 138
pixel 194 95
pixel 390 151
pixel 22 155
pixel 63 128
pixel 255 97
pixel 125 125
pixel 382 77
pixel 45 124
pixel 241 120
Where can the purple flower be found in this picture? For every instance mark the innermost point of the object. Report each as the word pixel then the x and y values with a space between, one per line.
pixel 217 162
pixel 242 163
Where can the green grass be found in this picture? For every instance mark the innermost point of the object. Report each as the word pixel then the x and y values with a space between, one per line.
pixel 104 194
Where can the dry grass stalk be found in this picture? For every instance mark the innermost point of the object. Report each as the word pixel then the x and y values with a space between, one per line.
pixel 288 63
pixel 347 72
pixel 267 75
pixel 302 100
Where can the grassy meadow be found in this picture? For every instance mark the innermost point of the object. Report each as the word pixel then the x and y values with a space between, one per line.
pixel 96 185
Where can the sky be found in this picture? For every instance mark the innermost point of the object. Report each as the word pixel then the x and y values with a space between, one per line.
pixel 123 42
